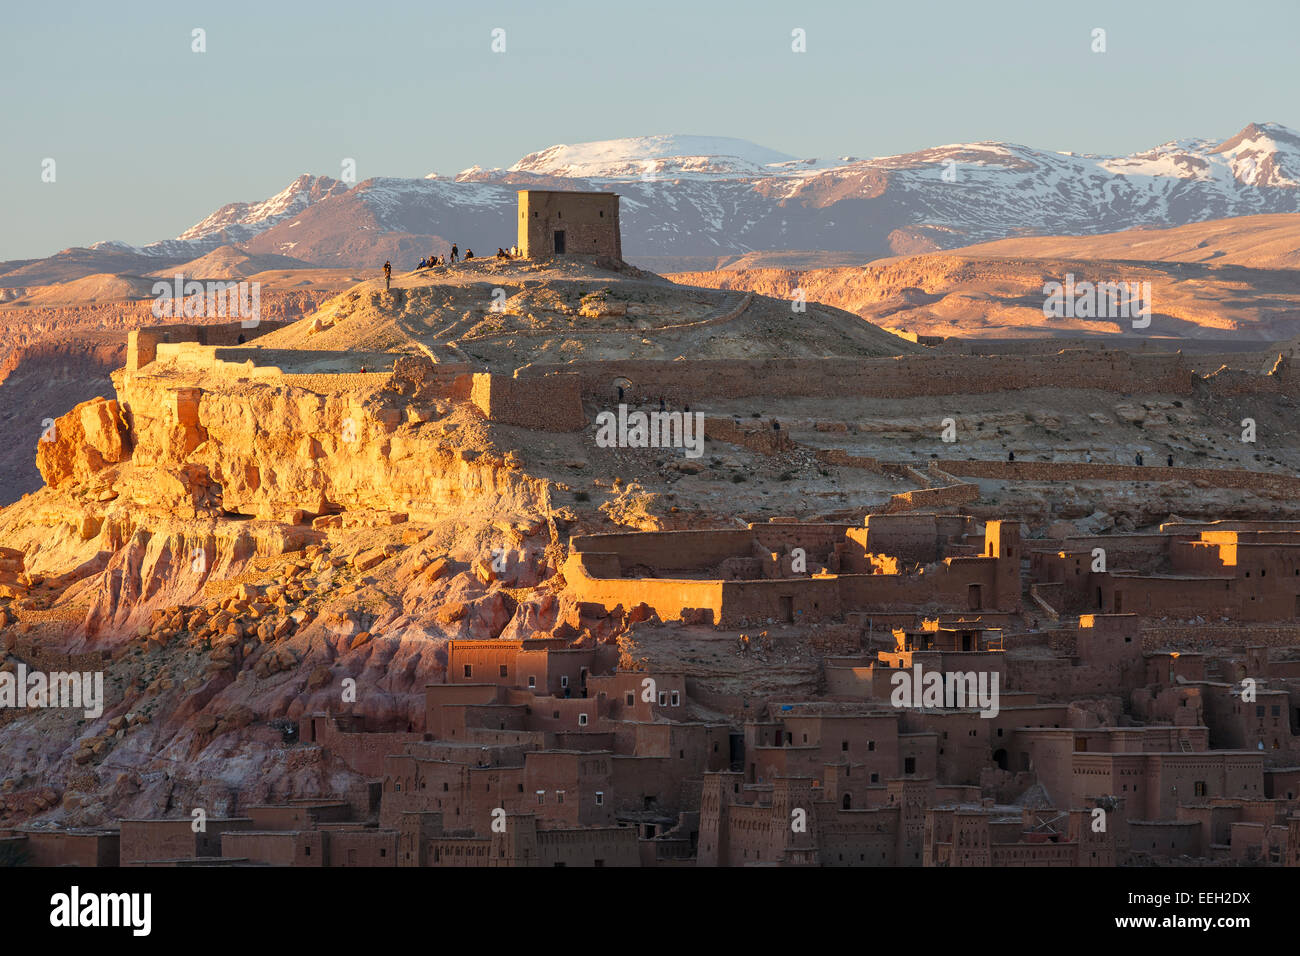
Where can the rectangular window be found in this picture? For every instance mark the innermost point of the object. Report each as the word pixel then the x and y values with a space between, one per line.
pixel 541 796
pixel 582 720
pixel 677 698
pixel 532 682
pixel 600 798
pixel 663 699
pixel 469 670
pixel 564 680
pixel 631 699
pixel 559 796
pixel 504 671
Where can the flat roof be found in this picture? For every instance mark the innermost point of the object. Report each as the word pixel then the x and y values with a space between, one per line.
pixel 570 192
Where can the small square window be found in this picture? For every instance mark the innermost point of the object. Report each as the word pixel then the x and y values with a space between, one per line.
pixel 582 720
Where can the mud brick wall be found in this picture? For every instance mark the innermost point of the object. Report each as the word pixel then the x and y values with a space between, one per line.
pixel 901 377
pixel 667 551
pixel 324 383
pixel 1161 637
pixel 946 497
pixel 1227 381
pixel 551 403
pixel 838 456
pixel 1263 483
pixel 142 344
pixel 589 222
pixel 364 752
pixel 760 438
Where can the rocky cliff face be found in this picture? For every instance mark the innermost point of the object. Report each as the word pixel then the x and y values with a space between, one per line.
pixel 232 555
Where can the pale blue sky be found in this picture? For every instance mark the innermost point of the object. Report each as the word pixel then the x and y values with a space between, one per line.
pixel 150 137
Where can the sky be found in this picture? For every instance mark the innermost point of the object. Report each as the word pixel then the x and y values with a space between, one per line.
pixel 149 136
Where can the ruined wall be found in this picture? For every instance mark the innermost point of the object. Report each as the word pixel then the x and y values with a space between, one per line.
pixel 1264 483
pixel 816 539
pixel 762 438
pixel 142 344
pixel 551 403
pixel 1163 636
pixel 901 377
pixel 668 597
pixel 838 456
pixel 949 496
pixel 363 752
pixel 669 550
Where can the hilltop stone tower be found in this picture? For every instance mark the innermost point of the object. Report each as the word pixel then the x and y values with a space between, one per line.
pixel 568 223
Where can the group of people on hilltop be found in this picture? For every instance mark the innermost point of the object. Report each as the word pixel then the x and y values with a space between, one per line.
pixel 429 262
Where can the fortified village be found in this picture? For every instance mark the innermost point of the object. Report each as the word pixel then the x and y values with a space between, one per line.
pixel 366 590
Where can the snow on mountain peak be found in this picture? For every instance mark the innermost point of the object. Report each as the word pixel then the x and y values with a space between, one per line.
pixel 754 197
pixel 250 218
pixel 657 155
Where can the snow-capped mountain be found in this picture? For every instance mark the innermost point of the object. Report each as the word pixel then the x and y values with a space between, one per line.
pixel 642 156
pixel 253 218
pixel 712 196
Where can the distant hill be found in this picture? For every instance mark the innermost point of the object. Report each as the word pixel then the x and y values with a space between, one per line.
pixel 1232 279
pixel 1259 242
pixel 230 262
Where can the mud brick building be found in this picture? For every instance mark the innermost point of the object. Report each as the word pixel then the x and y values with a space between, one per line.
pixel 568 223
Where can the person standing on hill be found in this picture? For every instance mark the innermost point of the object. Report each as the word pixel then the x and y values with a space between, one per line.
pixel 388 275
pixel 455 252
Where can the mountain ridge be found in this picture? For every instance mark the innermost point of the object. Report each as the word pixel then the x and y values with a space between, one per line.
pixel 680 201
